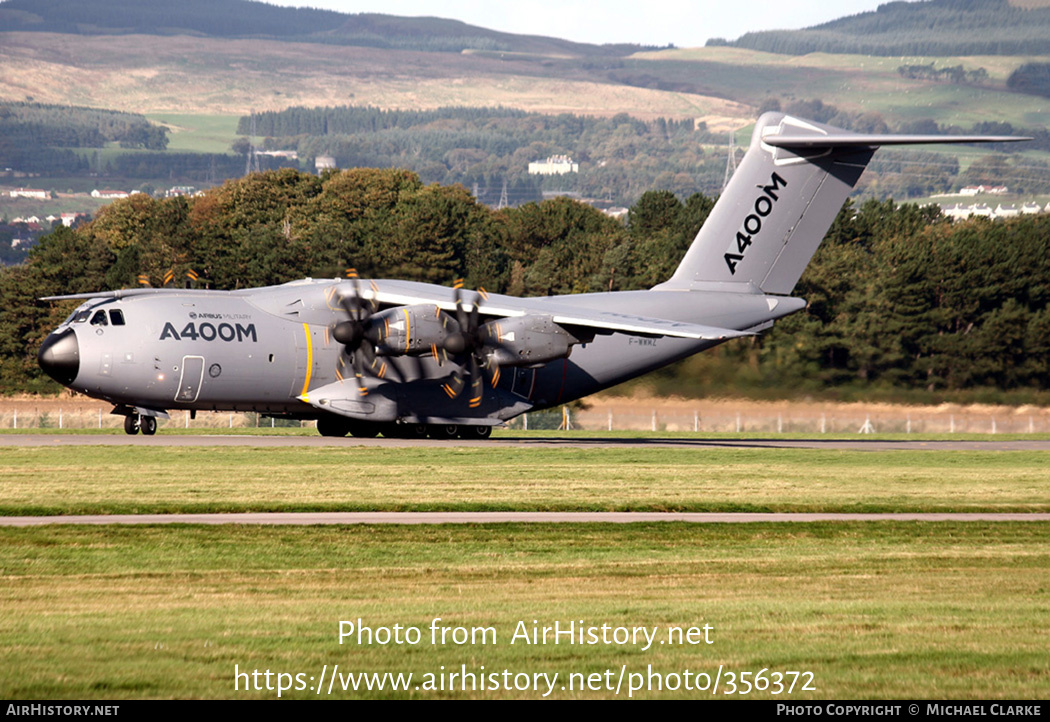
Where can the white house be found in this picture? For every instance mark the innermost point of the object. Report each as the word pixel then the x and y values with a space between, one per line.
pixel 554 165
pixel 109 195
pixel 35 193
pixel 957 211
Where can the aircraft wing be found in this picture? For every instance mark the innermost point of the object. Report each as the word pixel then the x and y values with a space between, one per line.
pixel 644 326
pixel 562 313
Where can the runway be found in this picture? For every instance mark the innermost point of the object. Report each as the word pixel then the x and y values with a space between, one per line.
pixel 523 441
pixel 506 517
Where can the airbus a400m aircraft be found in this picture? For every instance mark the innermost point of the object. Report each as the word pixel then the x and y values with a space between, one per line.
pixel 410 359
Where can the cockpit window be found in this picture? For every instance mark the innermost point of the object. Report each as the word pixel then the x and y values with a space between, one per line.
pixel 81 317
pixel 116 317
pixel 99 319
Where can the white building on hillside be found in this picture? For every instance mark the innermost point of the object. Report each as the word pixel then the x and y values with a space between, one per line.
pixel 554 165
pixel 108 194
pixel 34 193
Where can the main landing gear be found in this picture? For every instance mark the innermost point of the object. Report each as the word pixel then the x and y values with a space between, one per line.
pixel 133 423
pixel 340 426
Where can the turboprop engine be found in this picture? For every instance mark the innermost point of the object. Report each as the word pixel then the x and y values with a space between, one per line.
pixel 528 340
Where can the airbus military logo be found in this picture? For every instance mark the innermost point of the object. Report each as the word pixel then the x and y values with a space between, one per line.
pixel 752 224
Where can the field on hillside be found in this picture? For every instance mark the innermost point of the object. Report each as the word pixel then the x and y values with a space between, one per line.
pixel 163 76
pixel 173 75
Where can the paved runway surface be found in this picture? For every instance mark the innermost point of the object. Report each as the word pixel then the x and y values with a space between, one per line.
pixel 523 441
pixel 500 517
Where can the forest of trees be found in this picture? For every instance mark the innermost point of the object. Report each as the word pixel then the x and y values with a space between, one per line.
pixel 898 297
pixel 38 138
pixel 927 28
pixel 1031 78
pixel 620 157
pixel 481 148
pixel 37 124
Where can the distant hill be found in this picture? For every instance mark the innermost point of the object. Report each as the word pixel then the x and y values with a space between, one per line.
pixel 933 27
pixel 247 19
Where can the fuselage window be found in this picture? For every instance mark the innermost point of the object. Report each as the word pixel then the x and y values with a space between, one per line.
pixel 99 319
pixel 81 317
pixel 116 317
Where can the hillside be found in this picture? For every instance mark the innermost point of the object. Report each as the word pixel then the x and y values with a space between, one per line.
pixel 931 27
pixel 180 74
pixel 196 73
pixel 248 19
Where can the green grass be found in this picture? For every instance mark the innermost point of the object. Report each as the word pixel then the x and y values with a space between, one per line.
pixel 88 479
pixel 886 610
pixel 198 133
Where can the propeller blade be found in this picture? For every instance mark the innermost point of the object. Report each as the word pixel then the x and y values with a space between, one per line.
pixel 493 368
pixel 453 386
pixel 477 384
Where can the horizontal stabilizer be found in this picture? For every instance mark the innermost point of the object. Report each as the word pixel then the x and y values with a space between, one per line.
pixel 846 140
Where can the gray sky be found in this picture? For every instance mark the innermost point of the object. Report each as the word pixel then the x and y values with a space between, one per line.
pixel 685 23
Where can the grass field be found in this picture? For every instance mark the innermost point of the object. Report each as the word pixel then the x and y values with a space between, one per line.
pixel 871 610
pixel 86 479
pixel 198 133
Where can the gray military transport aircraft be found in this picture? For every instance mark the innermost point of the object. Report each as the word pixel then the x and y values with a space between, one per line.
pixel 411 359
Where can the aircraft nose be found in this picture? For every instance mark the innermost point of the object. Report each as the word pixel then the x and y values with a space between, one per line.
pixel 60 356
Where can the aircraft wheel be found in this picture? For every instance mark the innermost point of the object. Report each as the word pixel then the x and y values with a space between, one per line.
pixel 443 431
pixel 363 430
pixel 475 432
pixel 416 431
pixel 131 424
pixel 331 426
pixel 148 424
pixel 404 431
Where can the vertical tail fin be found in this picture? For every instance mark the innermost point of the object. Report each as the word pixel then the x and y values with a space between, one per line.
pixel 781 201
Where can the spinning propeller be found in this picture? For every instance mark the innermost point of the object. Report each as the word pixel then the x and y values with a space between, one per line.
pixel 467 337
pixel 358 336
pixel 368 336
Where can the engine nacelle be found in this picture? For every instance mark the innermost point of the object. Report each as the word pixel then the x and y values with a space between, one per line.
pixel 527 340
pixel 407 330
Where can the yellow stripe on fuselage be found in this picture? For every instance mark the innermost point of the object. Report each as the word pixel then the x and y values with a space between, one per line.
pixel 309 360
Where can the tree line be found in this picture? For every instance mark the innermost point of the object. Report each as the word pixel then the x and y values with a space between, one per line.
pixel 620 157
pixel 38 138
pixel 37 124
pixel 898 297
pixel 1031 78
pixel 956 74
